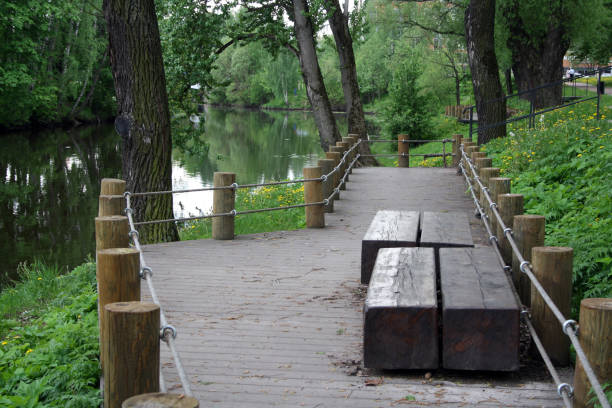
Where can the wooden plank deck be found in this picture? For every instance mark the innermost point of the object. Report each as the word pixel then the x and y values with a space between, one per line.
pixel 276 319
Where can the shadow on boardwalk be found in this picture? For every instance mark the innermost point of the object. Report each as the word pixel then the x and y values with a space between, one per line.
pixel 275 319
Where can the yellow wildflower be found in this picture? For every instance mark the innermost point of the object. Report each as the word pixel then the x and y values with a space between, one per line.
pixel 29 351
pixel 4 343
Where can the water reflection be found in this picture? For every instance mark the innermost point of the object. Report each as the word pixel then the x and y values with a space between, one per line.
pixel 48 195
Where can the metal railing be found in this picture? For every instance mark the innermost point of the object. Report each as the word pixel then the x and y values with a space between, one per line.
pixel 532 96
pixel 569 326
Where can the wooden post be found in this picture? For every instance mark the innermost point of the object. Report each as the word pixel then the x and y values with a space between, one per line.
pixel 456 153
pixel 478 155
pixel 596 340
pixel 223 202
pixel 112 232
pixel 335 156
pixel 528 232
pixel 313 192
pixel 482 162
pixel 111 186
pixel 552 266
pixel 160 400
pixel 509 205
pixel 468 152
pixel 326 166
pixel 444 153
pixel 351 141
pixel 485 174
pixel 117 274
pixel 131 352
pixel 108 202
pixel 497 186
pixel 347 159
pixel 355 138
pixel 403 150
pixel 340 151
pixel 466 143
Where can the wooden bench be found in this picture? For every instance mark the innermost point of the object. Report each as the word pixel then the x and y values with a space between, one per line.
pixel 389 229
pixel 400 313
pixel 480 316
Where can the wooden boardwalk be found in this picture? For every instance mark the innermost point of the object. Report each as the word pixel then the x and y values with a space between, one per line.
pixel 275 319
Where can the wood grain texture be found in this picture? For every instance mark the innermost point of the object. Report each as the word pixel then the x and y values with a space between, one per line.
pixel 388 229
pixel 401 313
pixel 480 317
pixel 223 202
pixel 160 400
pixel 131 351
pixel 112 232
pixel 445 229
pixel 276 320
pixel 313 193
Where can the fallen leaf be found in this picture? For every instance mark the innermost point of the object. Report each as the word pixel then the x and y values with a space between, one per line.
pixel 373 382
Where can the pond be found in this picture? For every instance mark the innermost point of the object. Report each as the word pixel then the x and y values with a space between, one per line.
pixel 49 192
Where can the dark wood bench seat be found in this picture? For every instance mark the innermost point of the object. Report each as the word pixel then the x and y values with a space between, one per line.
pixel 401 311
pixel 480 316
pixel 389 229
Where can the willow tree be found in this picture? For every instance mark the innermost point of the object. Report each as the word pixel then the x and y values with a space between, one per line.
pixel 143 118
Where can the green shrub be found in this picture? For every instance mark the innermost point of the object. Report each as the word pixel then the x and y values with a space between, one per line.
pixel 563 169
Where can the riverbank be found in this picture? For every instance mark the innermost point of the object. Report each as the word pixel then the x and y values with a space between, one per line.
pixel 49 348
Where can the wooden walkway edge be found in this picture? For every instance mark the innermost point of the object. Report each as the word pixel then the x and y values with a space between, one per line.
pixel 276 319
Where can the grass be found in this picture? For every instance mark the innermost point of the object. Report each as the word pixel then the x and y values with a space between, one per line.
pixel 265 197
pixel 49 349
pixel 563 168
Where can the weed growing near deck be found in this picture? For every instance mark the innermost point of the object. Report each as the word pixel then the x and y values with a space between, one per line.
pixel 49 340
pixel 265 197
pixel 563 168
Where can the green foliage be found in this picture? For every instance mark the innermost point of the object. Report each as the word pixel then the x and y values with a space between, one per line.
pixel 607 387
pixel 264 197
pixel 563 169
pixel 51 360
pixel 408 108
pixel 49 56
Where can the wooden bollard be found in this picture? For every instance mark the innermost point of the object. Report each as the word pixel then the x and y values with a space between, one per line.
pixel 160 400
pixel 479 164
pixel 340 151
pixel 552 266
pixel 478 155
pixel 335 156
pixel 117 274
pixel 345 146
pixel 497 187
pixel 528 232
pixel 456 153
pixel 131 353
pixel 485 174
pixel 468 151
pixel 111 200
pixel 403 150
pixel 313 193
pixel 596 341
pixel 466 143
pixel 223 202
pixel 326 166
pixel 351 141
pixel 509 205
pixel 112 232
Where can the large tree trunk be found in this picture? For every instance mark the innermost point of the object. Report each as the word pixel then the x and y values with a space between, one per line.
pixel 348 72
pixel 143 119
pixel 537 61
pixel 490 104
pixel 311 73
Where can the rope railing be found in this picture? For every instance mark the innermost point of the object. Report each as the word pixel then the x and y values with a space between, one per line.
pixel 408 141
pixel 167 333
pixel 235 186
pixel 569 326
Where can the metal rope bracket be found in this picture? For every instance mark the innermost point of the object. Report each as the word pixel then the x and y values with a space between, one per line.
pixel 167 330
pixel 570 324
pixel 133 233
pixel 567 388
pixel 523 265
pixel 128 210
pixel 144 271
pixel 127 194
pixel 234 186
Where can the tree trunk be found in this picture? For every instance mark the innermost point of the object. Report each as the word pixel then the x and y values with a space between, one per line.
pixel 490 105
pixel 311 73
pixel 143 119
pixel 338 22
pixel 537 60
pixel 508 77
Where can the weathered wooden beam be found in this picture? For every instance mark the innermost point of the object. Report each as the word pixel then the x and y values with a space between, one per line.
pixel 223 202
pixel 403 150
pixel 400 313
pixel 388 229
pixel 480 317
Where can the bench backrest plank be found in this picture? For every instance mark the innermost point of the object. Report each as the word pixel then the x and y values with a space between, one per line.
pixel 450 229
